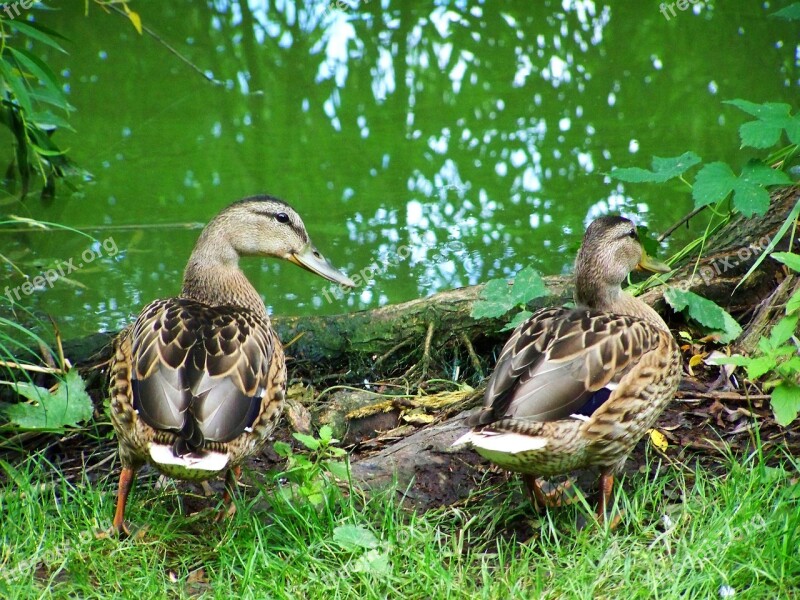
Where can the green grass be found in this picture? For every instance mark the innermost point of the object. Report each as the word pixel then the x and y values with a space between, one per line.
pixel 739 529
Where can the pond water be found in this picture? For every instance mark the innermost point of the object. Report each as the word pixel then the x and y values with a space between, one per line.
pixel 446 143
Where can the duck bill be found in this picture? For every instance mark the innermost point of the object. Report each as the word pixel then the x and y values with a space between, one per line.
pixel 648 263
pixel 310 259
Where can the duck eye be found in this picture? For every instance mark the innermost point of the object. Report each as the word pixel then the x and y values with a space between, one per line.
pixel 632 234
pixel 282 218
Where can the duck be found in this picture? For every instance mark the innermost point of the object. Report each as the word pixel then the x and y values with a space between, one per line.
pixel 578 387
pixel 198 381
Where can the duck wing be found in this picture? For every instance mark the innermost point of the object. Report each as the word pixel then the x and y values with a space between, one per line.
pixel 199 371
pixel 563 362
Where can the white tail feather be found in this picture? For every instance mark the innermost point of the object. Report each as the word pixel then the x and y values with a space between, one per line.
pixel 506 443
pixel 208 461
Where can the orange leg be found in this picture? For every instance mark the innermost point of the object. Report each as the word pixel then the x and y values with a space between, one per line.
pixel 606 489
pixel 125 484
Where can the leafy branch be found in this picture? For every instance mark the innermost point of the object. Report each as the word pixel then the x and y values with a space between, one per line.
pixel 778 356
pixel 309 471
pixel 715 182
pixel 29 95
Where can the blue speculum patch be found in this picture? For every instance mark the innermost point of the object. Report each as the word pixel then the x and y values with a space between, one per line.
pixel 595 401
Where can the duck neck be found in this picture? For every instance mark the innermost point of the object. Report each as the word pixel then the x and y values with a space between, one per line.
pixel 610 298
pixel 213 276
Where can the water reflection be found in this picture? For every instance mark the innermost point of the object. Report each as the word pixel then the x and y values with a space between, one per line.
pixel 475 134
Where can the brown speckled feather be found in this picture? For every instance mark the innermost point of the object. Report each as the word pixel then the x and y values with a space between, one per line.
pixel 191 383
pixel 200 371
pixel 558 358
pixel 606 437
pixel 198 382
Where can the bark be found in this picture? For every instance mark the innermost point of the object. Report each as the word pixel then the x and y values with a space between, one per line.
pixel 771 310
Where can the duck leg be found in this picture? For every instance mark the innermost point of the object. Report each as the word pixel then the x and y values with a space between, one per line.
pixel 125 484
pixel 231 483
pixel 604 501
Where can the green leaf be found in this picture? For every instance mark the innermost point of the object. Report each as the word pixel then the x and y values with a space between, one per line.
pixel 45 152
pixel 353 537
pixel 783 330
pixel 518 320
pixel 308 441
pixel 750 195
pixel 47 96
pixel 67 406
pixel 498 297
pixel 793 305
pixel 16 83
pixel 338 470
pixel 704 311
pixel 37 32
pixel 664 169
pixel 712 184
pixel 790 259
pixel 758 366
pixel 786 402
pixel 373 562
pixel 716 180
pixel 790 368
pixel 495 300
pixel 772 119
pixel 282 449
pixel 528 284
pixel 37 68
pixel 326 433
pixel 790 13
pixel 45 119
pixel 735 359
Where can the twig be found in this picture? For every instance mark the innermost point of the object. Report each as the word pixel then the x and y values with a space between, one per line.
pixel 389 352
pixel 680 222
pixel 721 396
pixel 293 340
pixel 176 53
pixel 34 368
pixel 111 456
pixel 425 361
pixel 62 361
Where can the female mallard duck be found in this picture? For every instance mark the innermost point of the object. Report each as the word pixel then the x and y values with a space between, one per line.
pixel 198 381
pixel 578 387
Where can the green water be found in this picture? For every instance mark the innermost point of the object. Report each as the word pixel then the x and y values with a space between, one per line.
pixel 445 142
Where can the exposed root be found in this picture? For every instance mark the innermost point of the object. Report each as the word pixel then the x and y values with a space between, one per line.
pixel 431 404
pixel 476 362
pixel 425 361
pixel 379 361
